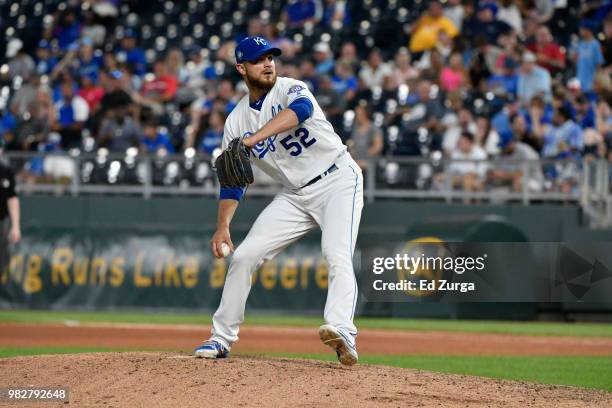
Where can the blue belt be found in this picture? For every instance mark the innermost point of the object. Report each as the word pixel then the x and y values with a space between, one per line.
pixel 319 177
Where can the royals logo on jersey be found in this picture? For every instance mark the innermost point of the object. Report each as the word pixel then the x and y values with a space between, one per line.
pixel 294 157
pixel 297 89
pixel 262 148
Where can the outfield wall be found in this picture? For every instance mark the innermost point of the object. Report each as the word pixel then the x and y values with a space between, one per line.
pixel 123 252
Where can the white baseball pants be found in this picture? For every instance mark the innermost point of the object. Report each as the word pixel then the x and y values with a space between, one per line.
pixel 333 203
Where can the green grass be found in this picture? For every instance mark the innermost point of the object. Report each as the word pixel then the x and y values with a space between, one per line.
pixel 579 371
pixel 47 316
pixel 6 352
pixel 469 326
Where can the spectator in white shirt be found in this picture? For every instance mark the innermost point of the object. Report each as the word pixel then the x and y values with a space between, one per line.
pixel 467 171
pixel 467 149
pixel 455 12
pixel 486 136
pixel 510 14
pixel 464 123
pixel 376 70
pixel 403 71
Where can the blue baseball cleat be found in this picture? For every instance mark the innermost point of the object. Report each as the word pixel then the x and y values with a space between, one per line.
pixel 334 338
pixel 211 349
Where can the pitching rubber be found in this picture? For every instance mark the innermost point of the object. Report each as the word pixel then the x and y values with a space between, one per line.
pixel 329 336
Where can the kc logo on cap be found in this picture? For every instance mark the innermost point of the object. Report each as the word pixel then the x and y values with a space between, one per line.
pixel 251 48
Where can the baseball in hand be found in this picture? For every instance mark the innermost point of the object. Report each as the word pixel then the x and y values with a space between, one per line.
pixel 225 249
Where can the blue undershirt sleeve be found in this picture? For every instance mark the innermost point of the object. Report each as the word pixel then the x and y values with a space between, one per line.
pixel 231 193
pixel 302 107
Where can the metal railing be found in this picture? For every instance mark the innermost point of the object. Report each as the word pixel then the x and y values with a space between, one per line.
pixel 596 193
pixel 584 182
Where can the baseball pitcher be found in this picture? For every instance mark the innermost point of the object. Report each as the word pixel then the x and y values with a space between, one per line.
pixel 280 127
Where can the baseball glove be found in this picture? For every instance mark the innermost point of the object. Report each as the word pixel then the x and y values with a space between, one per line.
pixel 234 165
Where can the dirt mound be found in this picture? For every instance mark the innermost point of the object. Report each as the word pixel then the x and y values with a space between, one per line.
pixel 178 380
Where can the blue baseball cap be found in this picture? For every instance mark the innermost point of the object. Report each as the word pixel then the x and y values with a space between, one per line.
pixel 506 138
pixel 44 44
pixel 589 25
pixel 252 48
pixel 129 33
pixel 86 41
pixel 490 6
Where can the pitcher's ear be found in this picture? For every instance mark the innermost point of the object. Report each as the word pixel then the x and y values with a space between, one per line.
pixel 241 69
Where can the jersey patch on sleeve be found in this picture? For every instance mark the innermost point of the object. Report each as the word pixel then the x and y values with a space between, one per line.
pixel 295 89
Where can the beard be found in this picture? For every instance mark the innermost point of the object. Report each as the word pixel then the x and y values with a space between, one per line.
pixel 263 83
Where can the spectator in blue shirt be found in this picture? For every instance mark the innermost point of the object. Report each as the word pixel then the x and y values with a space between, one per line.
pixel 223 100
pixel 89 62
pixel 595 11
pixel 68 30
pixel 300 12
pixel 8 124
pixel 336 11
pixel 45 61
pixel 485 24
pixel 213 135
pixel 152 140
pixel 134 57
pixel 344 81
pixel 324 59
pixel 564 138
pixel 507 81
pixel 71 112
pixel 501 121
pixel 588 57
pixel 533 80
pixel 540 111
pixel 584 112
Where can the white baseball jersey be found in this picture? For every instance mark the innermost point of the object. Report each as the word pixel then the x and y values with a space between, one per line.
pixel 295 157
pixel 333 204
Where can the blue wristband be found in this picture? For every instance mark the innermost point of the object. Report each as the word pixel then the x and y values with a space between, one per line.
pixel 231 193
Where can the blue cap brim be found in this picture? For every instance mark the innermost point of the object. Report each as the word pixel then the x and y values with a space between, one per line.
pixel 272 50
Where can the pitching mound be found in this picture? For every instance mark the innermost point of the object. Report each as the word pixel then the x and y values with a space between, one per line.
pixel 176 380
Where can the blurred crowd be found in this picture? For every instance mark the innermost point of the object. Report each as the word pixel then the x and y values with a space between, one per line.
pixel 469 80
